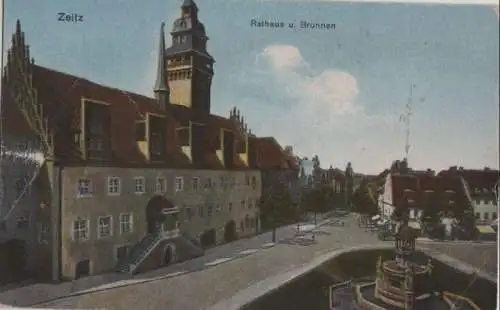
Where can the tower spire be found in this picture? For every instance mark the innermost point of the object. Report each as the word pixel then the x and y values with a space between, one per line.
pixel 161 89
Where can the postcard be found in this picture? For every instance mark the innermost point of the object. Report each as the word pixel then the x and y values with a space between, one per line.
pixel 185 154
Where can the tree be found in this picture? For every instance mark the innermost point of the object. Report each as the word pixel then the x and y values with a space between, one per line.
pixel 363 200
pixel 276 209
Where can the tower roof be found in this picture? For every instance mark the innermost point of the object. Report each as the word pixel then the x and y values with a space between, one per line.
pixel 189 4
pixel 161 82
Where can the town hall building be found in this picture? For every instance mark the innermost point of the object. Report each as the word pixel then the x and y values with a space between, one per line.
pixel 96 179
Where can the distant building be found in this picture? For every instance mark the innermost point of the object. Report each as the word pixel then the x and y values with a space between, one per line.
pixel 279 169
pixel 480 186
pixel 417 192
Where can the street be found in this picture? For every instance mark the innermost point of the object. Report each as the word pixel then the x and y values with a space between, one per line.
pixel 221 273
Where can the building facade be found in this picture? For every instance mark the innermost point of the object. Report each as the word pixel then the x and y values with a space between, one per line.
pixel 480 186
pixel 414 193
pixel 116 177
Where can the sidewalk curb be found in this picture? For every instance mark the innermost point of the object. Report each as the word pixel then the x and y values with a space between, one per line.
pixel 129 282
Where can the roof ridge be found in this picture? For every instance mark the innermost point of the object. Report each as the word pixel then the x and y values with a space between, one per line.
pixel 92 82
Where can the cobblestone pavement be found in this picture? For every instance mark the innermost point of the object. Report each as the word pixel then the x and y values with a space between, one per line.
pixel 201 289
pixel 37 293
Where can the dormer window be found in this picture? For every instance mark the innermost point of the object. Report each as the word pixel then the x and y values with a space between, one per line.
pixel 157 132
pixel 97 129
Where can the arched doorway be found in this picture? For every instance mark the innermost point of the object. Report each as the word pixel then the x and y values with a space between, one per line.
pixel 169 254
pixel 208 238
pixel 82 269
pixel 155 216
pixel 230 231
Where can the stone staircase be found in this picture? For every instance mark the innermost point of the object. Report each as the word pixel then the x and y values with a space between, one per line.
pixel 186 248
pixel 137 253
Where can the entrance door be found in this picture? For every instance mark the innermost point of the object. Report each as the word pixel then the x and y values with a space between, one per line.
pixel 169 255
pixel 230 231
pixel 122 252
pixel 82 269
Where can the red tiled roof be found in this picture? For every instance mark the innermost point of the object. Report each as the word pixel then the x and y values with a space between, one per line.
pixel 477 180
pixel 421 191
pixel 270 155
pixel 61 96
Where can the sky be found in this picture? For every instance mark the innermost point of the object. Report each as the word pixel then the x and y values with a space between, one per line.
pixel 336 93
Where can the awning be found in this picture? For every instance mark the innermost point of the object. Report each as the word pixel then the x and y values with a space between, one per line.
pixel 376 217
pixel 414 225
pixel 485 229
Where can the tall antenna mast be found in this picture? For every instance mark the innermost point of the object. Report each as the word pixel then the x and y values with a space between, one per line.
pixel 406 118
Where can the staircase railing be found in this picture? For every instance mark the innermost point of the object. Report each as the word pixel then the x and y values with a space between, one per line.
pixel 135 262
pixel 154 242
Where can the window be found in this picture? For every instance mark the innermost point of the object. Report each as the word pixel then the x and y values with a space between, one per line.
pixel 189 213
pixel 247 180
pixel 218 208
pixel 254 182
pixel 230 207
pixel 80 230
pixel 196 183
pixel 23 222
pixel 104 226
pixel 140 185
pixel 478 201
pixel 222 182
pixel 114 186
pixel 494 216
pixel 3 225
pixel 84 188
pixel 250 204
pixel 209 183
pixel 209 210
pixel 126 223
pixel 233 182
pixel 156 143
pixel 478 216
pixel 179 184
pixel 200 210
pixel 486 215
pixel 161 185
pixel 243 204
pixel 242 225
pixel 44 233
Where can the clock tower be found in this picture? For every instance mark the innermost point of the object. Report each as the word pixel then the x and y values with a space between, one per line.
pixel 189 65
